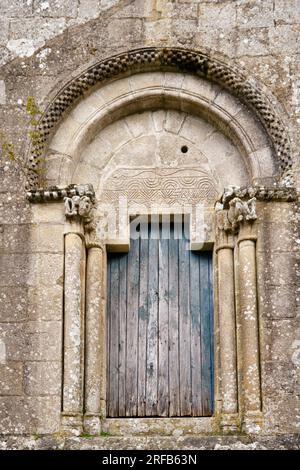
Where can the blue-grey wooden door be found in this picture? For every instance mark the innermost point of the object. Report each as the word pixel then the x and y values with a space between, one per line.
pixel 160 330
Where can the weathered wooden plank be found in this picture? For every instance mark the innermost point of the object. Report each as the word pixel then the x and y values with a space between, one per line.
pixel 132 328
pixel 195 334
pixel 184 330
pixel 163 328
pixel 205 307
pixel 143 322
pixel 122 332
pixel 114 338
pixel 174 392
pixel 152 343
pixel 211 316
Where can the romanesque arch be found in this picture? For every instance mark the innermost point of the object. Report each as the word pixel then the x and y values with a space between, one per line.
pixel 166 126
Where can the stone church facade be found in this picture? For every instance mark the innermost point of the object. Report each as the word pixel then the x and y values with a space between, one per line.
pixel 149 110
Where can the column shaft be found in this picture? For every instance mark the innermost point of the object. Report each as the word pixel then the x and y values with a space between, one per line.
pixel 74 279
pixel 94 333
pixel 249 323
pixel 227 325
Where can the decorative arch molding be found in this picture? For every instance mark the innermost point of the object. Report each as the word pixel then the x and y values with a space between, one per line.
pixel 168 59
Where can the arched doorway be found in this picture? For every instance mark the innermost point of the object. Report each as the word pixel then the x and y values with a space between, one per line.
pixel 171 137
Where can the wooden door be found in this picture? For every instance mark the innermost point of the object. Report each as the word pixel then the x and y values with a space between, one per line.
pixel 160 325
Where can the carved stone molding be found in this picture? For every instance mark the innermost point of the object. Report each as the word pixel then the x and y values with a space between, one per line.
pixel 261 193
pixel 54 193
pixel 155 58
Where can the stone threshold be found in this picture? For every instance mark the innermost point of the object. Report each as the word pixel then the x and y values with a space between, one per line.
pixel 213 442
pixel 157 426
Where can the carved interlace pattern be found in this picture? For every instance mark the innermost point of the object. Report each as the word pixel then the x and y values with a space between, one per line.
pixel 153 58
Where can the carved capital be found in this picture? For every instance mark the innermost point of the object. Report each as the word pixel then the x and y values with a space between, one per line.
pixel 238 212
pixel 92 240
pixel 81 206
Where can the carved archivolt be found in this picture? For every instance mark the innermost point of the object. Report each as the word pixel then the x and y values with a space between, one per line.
pixel 154 58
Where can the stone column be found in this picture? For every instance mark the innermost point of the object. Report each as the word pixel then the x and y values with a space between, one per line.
pixel 74 279
pixel 78 213
pixel 249 329
pixel 227 327
pixel 94 326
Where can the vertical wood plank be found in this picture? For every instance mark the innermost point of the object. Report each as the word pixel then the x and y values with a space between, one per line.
pixel 195 334
pixel 152 346
pixel 132 328
pixel 163 328
pixel 114 338
pixel 143 322
pixel 122 332
pixel 206 358
pixel 184 330
pixel 174 390
pixel 211 317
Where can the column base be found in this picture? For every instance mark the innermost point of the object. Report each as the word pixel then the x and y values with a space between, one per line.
pixel 252 422
pixel 71 424
pixel 230 423
pixel 92 423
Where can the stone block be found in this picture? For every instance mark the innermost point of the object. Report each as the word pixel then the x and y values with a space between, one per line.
pixel 276 237
pixel 98 153
pixel 158 31
pixel 287 12
pixel 281 301
pixel 281 341
pixel 140 124
pixel 195 86
pixel 284 39
pixel 174 121
pixel 16 8
pixel 13 304
pixel 18 213
pixel 15 416
pixel 136 9
pixel 115 89
pixel 222 16
pixel 86 173
pixel 88 9
pixel 27 415
pixel 14 269
pixel 14 338
pixel 282 268
pixel 44 339
pixel 251 14
pixel 42 378
pixel 48 213
pixel 282 414
pixel 146 80
pixel 59 142
pixel 252 42
pixel 55 8
pixel 11 379
pixel 45 304
pixel 131 28
pixel 279 378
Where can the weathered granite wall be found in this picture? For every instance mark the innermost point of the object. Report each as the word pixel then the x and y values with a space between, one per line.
pixel 42 45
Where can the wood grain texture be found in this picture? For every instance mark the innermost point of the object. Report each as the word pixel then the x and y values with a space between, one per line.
pixel 160 336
